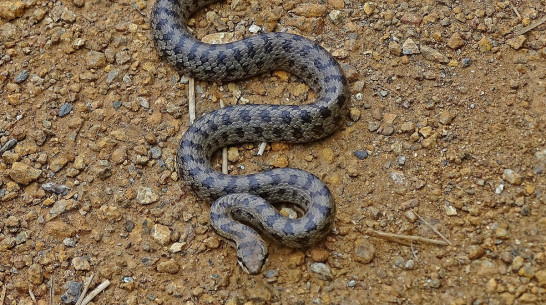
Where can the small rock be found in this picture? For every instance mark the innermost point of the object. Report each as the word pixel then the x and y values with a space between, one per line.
pixel 177 247
pixel 401 160
pixel 336 16
pixel 409 264
pixel 445 117
pixel 322 270
pixel 233 154
pixel 484 45
pixel 22 76
pixel 81 263
pixel 528 298
pixel 58 162
pixel 310 10
pixel 319 255
pixel 364 251
pixel 433 55
pixel 455 41
pixel 65 110
pixel 35 274
pixel 161 233
pixel 476 252
pixel 8 145
pixel 541 278
pixel 146 196
pixel 68 15
pixel 10 10
pixel 516 42
pixel 155 152
pixel 361 154
pixel 254 29
pixel 466 62
pixel 512 177
pixel 369 8
pixel 354 113
pixel 95 60
pixel 410 47
pixel 411 18
pixel 169 266
pixel 395 48
pixel 72 293
pixel 23 174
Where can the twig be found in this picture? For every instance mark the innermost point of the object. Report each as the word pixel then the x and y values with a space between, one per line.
pixel 3 296
pixel 96 291
pixel 85 288
pixel 515 10
pixel 191 98
pixel 395 237
pixel 530 27
pixel 433 229
pixel 413 252
pixel 32 295
pixel 51 290
pixel 224 150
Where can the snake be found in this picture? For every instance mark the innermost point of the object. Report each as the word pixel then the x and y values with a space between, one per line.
pixel 244 205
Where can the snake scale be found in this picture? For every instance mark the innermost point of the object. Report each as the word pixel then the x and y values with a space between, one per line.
pixel 243 202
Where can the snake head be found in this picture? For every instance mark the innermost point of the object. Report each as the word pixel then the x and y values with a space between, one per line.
pixel 252 256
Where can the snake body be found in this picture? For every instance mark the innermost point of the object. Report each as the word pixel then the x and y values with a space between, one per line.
pixel 243 202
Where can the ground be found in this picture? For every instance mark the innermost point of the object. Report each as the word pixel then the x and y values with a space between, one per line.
pixel 447 132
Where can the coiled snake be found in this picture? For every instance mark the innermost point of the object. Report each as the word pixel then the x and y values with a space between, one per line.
pixel 244 201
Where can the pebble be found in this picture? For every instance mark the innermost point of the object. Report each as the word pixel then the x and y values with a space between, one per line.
pixel 364 251
pixel 57 163
pixel 319 255
pixel 155 152
pixel 161 233
pixel 466 62
pixel 310 10
pixel 354 113
pixel 401 160
pixel 409 265
pixel 484 45
pixel 65 110
pixel 177 247
pixel 512 177
pixel 254 29
pixel 409 47
pixel 72 293
pixel 146 195
pixel 433 55
pixel 395 48
pixel 455 41
pixel 233 154
pixel 517 42
pixel 95 60
pixel 8 145
pixel 323 271
pixel 170 266
pixel 336 16
pixel 411 18
pixel 22 76
pixel 10 10
pixel 541 278
pixel 450 210
pixel 81 263
pixel 361 154
pixel 35 274
pixel 23 173
pixel 369 7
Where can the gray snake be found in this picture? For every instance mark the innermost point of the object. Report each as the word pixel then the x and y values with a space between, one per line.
pixel 243 202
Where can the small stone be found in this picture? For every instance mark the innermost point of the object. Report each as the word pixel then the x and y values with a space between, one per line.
pixel 336 16
pixel 411 18
pixel 10 10
pixel 23 174
pixel 59 230
pixel 361 154
pixel 354 113
pixel 445 117
pixel 280 160
pixel 485 45
pixel 433 55
pixel 161 233
pixel 58 162
pixel 68 15
pixel 254 29
pixel 146 196
pixel 310 10
pixel 364 251
pixel 81 263
pixel 516 42
pixel 170 266
pixel 476 252
pixel 466 62
pixel 401 160
pixel 528 298
pixel 409 265
pixel 502 233
pixel 426 131
pixel 8 145
pixel 512 177
pixel 72 293
pixel 22 76
pixel 64 110
pixel 395 48
pixel 35 274
pixel 155 152
pixel 541 278
pixel 369 8
pixel 95 60
pixel 233 154
pixel 322 270
pixel 450 210
pixel 455 41
pixel 177 247
pixel 319 255
pixel 410 47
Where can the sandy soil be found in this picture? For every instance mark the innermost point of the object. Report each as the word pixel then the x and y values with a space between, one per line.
pixel 447 134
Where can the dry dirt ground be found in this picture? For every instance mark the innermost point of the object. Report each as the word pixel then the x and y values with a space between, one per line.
pixel 447 132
